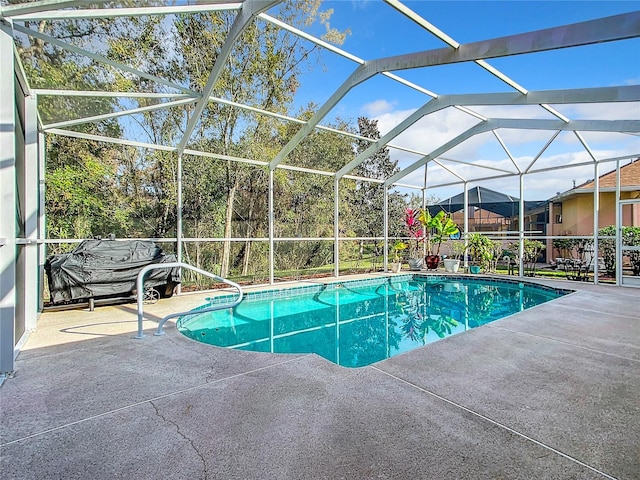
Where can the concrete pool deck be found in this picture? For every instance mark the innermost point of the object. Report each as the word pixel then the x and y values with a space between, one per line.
pixel 552 392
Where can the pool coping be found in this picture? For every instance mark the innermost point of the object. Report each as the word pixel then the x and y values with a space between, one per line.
pixel 333 283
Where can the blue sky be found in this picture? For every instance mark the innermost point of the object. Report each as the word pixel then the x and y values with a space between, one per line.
pixel 379 31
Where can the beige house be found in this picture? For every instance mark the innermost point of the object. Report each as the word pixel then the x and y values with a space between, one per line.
pixel 571 212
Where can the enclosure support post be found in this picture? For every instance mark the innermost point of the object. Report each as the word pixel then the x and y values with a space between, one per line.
pixel 465 196
pixel 179 218
pixel 27 202
pixel 596 222
pixel 424 208
pixel 336 227
pixel 618 240
pixel 8 202
pixel 521 227
pixel 385 227
pixel 42 219
pixel 271 220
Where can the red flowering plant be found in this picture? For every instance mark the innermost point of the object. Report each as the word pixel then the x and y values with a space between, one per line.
pixel 415 231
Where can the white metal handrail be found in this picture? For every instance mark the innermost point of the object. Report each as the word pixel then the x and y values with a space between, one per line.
pixel 155 266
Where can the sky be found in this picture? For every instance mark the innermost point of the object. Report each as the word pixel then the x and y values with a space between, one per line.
pixel 378 30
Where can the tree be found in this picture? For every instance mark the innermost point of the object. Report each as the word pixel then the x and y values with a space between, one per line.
pixel 82 197
pixel 262 71
pixel 96 188
pixel 305 201
pixel 367 198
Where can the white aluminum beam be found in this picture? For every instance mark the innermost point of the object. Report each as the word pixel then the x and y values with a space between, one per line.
pixel 574 125
pixel 124 12
pixel 406 11
pixel 454 44
pixel 285 117
pixel 21 76
pixel 336 227
pixel 357 76
pixel 311 38
pixel 122 113
pixel 541 170
pixel 527 124
pixel 596 221
pixel 630 93
pixel 478 128
pixel 426 109
pixel 501 76
pixel 586 95
pixel 42 219
pixel 618 27
pixel 42 6
pixel 476 165
pixel 117 141
pixel 443 166
pixel 506 150
pixel 542 150
pixel 586 146
pixel 271 227
pixel 217 156
pixel 250 9
pixel 101 58
pixel 342 53
pixel 407 83
pixel 102 93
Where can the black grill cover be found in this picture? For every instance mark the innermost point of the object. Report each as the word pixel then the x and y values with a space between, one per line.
pixel 108 268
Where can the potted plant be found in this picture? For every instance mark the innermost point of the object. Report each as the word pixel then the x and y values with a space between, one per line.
pixel 438 227
pixel 457 248
pixel 396 265
pixel 480 248
pixel 415 232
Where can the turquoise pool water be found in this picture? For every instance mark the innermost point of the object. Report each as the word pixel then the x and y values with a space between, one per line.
pixel 357 323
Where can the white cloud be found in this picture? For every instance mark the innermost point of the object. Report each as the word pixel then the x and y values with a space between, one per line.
pixel 428 133
pixel 377 108
pixel 440 127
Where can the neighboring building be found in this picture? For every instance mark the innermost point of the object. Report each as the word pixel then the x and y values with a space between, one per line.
pixel 568 213
pixel 571 212
pixel 489 211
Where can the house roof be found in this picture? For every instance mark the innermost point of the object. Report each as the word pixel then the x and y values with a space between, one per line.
pixel 629 180
pixel 629 177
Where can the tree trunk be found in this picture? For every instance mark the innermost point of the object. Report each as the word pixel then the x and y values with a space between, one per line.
pixel 226 246
pixel 247 253
pixel 248 233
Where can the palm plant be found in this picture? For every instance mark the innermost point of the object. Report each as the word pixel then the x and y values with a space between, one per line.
pixel 439 227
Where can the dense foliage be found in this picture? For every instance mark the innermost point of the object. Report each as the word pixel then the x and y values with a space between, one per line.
pixel 98 188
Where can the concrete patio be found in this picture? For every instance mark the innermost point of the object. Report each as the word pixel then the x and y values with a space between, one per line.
pixel 548 393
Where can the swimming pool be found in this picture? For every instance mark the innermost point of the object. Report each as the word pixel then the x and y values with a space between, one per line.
pixel 356 323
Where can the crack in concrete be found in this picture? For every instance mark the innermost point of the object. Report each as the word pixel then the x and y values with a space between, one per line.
pixel 142 402
pixel 191 442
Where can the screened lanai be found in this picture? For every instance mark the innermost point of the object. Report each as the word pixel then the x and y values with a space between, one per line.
pixel 151 104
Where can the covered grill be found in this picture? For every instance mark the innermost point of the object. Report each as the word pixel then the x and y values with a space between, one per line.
pixel 100 269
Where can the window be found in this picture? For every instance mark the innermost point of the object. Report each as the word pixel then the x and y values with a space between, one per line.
pixel 557 210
